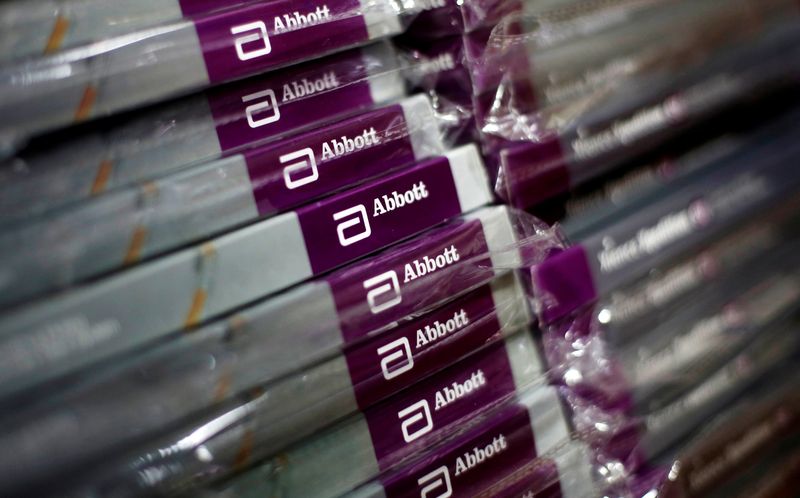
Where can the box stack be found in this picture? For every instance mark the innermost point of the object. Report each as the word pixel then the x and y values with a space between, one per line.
pixel 385 248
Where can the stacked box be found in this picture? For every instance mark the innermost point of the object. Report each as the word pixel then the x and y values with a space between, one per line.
pixel 252 248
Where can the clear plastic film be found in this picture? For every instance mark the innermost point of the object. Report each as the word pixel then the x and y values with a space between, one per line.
pixel 645 177
pixel 64 169
pixel 666 288
pixel 127 225
pixel 585 450
pixel 745 449
pixel 43 27
pixel 174 58
pixel 636 237
pixel 518 447
pixel 646 366
pixel 273 376
pixel 644 359
pixel 633 444
pixel 639 92
pixel 59 170
pixel 437 67
pixel 657 361
pixel 52 336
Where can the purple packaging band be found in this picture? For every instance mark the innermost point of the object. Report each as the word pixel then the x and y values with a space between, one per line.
pixel 276 103
pixel 273 339
pixel 375 216
pixel 323 161
pixel 479 459
pixel 569 284
pixel 408 353
pixel 188 287
pixel 534 172
pixel 462 391
pixel 388 286
pixel 266 35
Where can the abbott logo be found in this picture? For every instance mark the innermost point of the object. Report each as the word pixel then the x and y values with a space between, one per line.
pixel 396 358
pixel 268 105
pixel 302 169
pixel 361 219
pixel 436 484
pixel 418 414
pixel 256 34
pixel 383 292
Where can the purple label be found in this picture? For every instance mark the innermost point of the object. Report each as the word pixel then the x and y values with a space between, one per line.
pixel 534 172
pixel 406 354
pixel 362 220
pixel 265 35
pixel 497 459
pixel 564 282
pixel 419 274
pixel 442 403
pixel 326 160
pixel 272 105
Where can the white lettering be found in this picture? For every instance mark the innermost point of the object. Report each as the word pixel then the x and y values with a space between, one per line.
pixel 428 264
pixel 395 200
pixel 296 20
pixel 477 456
pixel 437 330
pixel 458 390
pixel 348 145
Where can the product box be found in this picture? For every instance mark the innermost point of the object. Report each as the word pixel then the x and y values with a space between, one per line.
pixel 124 226
pixel 187 287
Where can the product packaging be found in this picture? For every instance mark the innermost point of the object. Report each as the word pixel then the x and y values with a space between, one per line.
pixel 551 149
pixel 316 349
pixel 167 60
pixel 58 170
pixel 383 437
pixel 644 234
pixel 127 225
pixel 185 288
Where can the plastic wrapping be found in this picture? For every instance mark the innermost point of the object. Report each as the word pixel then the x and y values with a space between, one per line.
pixel 728 135
pixel 521 426
pixel 640 236
pixel 633 452
pixel 268 346
pixel 223 121
pixel 49 26
pixel 658 362
pixel 187 287
pixel 545 148
pixel 288 286
pixel 441 18
pixel 171 59
pixel 737 453
pixel 128 225
pixel 646 302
